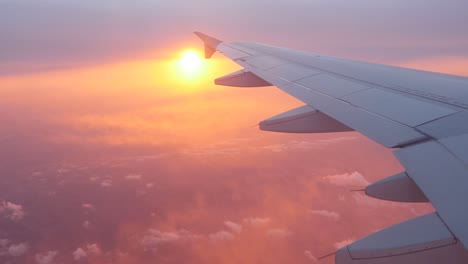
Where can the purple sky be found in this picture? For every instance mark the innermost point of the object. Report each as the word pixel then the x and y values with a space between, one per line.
pixel 42 34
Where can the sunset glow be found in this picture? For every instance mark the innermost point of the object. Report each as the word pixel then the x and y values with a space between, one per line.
pixel 191 65
pixel 118 148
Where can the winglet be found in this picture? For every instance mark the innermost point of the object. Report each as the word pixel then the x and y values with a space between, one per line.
pixel 210 44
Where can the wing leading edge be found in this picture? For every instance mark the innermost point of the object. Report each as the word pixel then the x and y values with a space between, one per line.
pixel 421 115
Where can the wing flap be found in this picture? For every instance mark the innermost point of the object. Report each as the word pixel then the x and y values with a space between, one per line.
pixel 422 233
pixel 425 239
pixel 443 178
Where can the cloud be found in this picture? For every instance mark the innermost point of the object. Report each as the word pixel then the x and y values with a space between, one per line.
pixel 86 224
pixel 343 243
pixel 13 250
pixel 257 221
pixel 221 236
pixel 106 183
pixel 233 226
pixel 279 232
pixel 79 253
pixel 133 177
pixel 93 249
pixel 62 170
pixel 12 211
pixel 46 258
pixel 90 249
pixel 153 238
pixel 330 214
pixel 296 145
pixel 365 200
pixel 347 179
pixel 17 250
pixel 88 207
pixel 310 256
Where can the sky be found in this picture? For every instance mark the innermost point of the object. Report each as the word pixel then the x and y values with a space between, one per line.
pixel 112 154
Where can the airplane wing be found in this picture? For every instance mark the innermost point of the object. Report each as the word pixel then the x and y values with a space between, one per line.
pixel 422 116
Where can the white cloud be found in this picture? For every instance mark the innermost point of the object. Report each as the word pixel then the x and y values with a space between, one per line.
pixel 106 183
pixel 12 211
pixel 277 147
pixel 46 258
pixel 221 236
pixel 93 249
pixel 12 250
pixel 62 170
pixel 296 145
pixel 150 157
pixel 88 206
pixel 310 256
pixel 343 243
pixel 347 179
pixel 149 185
pixel 163 237
pixel 17 250
pixel 153 238
pixel 233 226
pixel 330 214
pixel 279 232
pixel 79 253
pixel 257 221
pixel 133 177
pixel 86 224
pixel 363 199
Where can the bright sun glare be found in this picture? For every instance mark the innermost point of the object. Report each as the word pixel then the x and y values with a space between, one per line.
pixel 190 63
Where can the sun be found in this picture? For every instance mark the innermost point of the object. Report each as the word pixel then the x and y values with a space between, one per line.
pixel 191 64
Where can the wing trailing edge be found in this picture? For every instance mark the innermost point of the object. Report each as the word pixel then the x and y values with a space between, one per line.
pixel 425 239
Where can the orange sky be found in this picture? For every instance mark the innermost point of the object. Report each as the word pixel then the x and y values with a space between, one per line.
pixel 198 141
pixel 150 105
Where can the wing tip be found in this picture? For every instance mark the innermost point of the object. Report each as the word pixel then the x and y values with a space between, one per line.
pixel 209 42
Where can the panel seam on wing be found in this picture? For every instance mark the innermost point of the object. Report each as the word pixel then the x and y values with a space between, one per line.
pixel 395 89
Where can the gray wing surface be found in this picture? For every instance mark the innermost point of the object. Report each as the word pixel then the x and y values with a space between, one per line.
pixel 421 115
